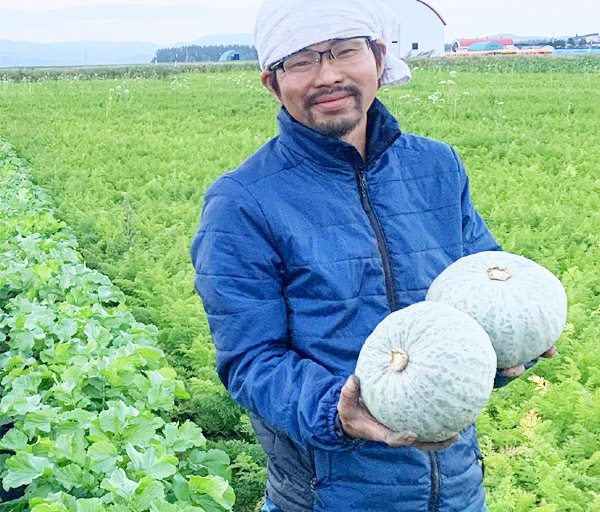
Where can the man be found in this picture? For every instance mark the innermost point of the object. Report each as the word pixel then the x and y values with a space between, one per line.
pixel 310 243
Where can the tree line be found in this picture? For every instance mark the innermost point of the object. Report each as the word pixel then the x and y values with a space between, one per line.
pixel 571 42
pixel 195 53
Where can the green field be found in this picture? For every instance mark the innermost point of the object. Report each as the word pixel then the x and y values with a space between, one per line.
pixel 127 156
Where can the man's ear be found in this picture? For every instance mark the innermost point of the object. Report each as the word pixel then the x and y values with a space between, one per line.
pixel 267 80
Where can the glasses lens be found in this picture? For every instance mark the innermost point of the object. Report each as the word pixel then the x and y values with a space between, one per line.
pixel 301 62
pixel 346 51
pixel 350 49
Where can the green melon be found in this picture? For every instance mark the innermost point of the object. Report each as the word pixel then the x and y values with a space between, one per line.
pixel 427 368
pixel 520 304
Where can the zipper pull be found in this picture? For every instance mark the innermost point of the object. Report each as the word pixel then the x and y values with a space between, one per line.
pixel 363 192
pixel 313 484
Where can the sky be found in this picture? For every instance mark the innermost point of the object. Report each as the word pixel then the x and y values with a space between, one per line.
pixel 165 22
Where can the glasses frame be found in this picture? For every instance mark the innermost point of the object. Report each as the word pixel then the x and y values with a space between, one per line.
pixel 279 63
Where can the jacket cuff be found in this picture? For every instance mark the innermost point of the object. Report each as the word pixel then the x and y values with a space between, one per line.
pixel 502 380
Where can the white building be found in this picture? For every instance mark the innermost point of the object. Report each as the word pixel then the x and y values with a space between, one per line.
pixel 420 29
pixel 590 38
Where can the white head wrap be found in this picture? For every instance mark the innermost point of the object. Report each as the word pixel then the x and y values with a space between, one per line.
pixel 285 26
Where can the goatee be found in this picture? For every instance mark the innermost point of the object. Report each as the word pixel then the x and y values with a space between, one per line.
pixel 336 128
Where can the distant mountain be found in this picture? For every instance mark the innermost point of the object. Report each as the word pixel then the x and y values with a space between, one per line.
pixel 96 53
pixel 80 53
pixel 220 39
pixel 520 39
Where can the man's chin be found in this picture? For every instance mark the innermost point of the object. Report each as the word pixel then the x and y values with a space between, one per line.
pixel 336 128
pixel 337 131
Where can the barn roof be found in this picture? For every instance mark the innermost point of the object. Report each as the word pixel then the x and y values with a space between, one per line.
pixel 229 54
pixel 436 13
pixel 505 41
pixel 481 46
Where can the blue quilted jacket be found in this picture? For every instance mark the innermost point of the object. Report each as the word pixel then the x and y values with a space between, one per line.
pixel 301 252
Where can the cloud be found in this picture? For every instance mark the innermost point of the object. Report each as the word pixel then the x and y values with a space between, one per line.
pixel 44 5
pixel 161 22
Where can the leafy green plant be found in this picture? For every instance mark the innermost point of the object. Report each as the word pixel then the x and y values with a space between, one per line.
pixel 86 396
pixel 131 186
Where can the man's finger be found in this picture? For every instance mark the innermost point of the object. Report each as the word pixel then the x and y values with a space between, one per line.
pixel 441 445
pixel 551 352
pixel 350 391
pixel 400 438
pixel 515 371
pixel 375 431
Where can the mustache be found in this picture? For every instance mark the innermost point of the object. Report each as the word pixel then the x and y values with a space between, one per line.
pixel 349 89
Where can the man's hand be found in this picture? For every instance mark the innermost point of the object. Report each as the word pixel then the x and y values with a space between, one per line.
pixel 358 422
pixel 515 371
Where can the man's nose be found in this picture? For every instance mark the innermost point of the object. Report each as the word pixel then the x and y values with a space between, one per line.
pixel 329 71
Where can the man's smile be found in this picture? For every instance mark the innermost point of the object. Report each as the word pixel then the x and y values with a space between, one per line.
pixel 334 101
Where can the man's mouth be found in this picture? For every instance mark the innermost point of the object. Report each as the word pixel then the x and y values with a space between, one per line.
pixel 333 101
pixel 332 97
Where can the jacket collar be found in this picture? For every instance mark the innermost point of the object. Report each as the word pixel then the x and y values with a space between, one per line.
pixel 382 132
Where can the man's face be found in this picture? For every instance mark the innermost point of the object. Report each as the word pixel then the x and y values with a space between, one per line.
pixel 334 99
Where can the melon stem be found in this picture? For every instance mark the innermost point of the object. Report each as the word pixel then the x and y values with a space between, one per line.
pixel 499 274
pixel 399 360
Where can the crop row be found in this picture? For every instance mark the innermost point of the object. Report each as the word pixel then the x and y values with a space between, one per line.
pixel 494 64
pixel 551 63
pixel 86 397
pixel 121 72
pixel 128 174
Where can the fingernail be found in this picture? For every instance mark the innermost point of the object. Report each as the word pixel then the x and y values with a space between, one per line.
pixel 402 439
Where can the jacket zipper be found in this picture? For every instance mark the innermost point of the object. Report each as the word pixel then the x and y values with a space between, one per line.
pixel 313 490
pixel 390 287
pixel 435 482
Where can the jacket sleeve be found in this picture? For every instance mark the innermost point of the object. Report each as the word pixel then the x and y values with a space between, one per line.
pixel 239 276
pixel 476 235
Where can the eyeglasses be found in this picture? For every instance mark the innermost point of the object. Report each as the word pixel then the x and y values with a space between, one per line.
pixel 344 52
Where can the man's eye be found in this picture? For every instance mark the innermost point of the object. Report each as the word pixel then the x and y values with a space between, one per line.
pixel 299 64
pixel 348 52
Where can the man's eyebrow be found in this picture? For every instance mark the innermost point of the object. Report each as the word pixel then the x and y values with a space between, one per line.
pixel 332 41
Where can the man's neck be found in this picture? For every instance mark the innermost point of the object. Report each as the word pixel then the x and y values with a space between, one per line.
pixel 358 138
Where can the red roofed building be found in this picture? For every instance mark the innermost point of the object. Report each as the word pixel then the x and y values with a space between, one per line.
pixel 462 45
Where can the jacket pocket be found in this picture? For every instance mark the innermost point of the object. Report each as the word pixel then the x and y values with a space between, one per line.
pixel 321 460
pixel 290 473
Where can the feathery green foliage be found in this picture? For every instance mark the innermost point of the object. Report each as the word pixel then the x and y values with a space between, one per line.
pixel 128 170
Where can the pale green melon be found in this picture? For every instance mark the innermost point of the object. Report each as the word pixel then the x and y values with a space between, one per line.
pixel 428 369
pixel 520 304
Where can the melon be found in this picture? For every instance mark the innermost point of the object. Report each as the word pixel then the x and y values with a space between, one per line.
pixel 520 304
pixel 428 369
